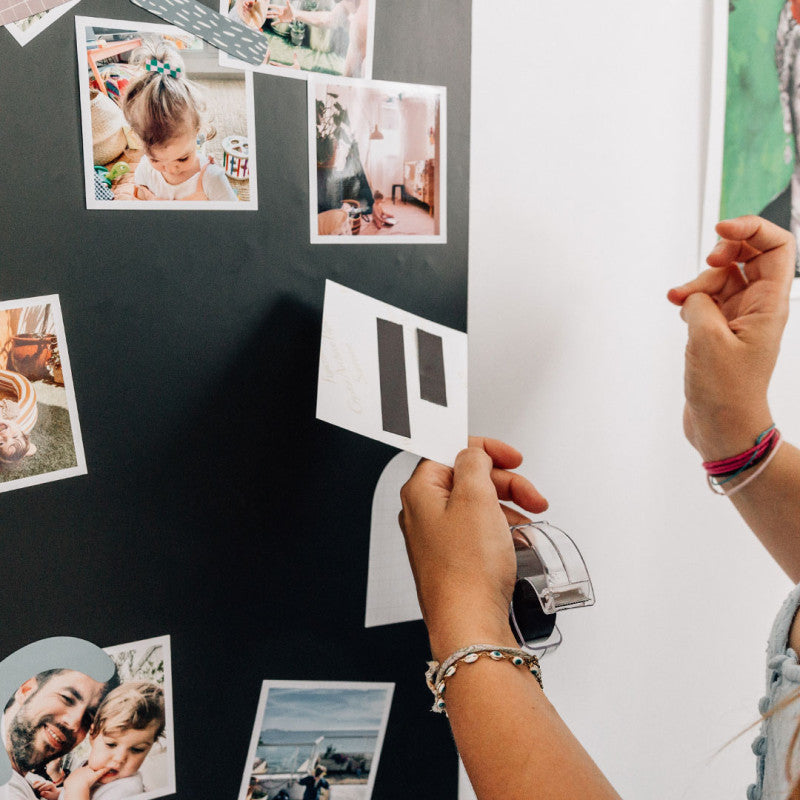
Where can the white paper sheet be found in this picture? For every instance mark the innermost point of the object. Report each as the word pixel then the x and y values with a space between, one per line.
pixel 391 594
pixel 349 391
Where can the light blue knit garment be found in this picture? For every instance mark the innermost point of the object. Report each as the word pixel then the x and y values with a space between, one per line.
pixel 783 679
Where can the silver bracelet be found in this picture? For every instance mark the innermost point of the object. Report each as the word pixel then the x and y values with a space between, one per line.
pixel 437 674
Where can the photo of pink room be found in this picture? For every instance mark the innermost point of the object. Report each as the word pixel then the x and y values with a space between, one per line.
pixel 377 162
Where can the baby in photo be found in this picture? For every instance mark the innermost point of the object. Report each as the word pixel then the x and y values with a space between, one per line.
pixel 165 110
pixel 128 723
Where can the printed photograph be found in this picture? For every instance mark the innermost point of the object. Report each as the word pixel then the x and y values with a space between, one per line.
pixel 40 437
pixel 165 127
pixel 753 155
pixel 29 28
pixel 377 162
pixel 316 740
pixel 70 736
pixel 334 37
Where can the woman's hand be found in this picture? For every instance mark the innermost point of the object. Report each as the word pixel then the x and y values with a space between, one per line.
pixel 459 545
pixel 736 317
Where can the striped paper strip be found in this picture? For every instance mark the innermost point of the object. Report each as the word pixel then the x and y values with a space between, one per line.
pixel 226 34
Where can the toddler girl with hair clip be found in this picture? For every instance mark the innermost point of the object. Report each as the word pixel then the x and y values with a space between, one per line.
pixel 165 109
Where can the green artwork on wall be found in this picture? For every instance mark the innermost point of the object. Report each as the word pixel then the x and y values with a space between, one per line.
pixel 754 167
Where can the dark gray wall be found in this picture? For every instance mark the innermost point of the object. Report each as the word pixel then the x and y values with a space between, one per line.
pixel 216 508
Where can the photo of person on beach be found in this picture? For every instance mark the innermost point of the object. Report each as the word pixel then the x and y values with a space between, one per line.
pixel 316 740
pixel 164 125
pixel 310 36
pixel 69 737
pixel 39 433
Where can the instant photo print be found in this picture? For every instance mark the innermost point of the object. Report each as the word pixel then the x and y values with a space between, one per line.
pixel 40 435
pixel 308 37
pixel 328 733
pixel 108 711
pixel 377 162
pixel 200 160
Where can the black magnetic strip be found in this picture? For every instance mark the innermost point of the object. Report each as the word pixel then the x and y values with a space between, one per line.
pixel 432 386
pixel 392 369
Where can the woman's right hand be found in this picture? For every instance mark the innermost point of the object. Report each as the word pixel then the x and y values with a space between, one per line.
pixel 459 545
pixel 735 327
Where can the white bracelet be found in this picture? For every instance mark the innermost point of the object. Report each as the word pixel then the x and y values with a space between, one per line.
pixel 437 674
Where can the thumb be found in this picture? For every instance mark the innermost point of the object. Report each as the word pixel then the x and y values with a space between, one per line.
pixel 472 476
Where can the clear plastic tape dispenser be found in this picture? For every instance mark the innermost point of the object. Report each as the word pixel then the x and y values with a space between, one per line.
pixel 551 577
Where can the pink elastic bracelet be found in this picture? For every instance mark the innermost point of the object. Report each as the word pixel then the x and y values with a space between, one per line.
pixel 730 467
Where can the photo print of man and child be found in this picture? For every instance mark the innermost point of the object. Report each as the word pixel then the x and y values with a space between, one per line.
pixel 165 126
pixel 316 740
pixel 39 431
pixel 310 36
pixel 377 161
pixel 70 737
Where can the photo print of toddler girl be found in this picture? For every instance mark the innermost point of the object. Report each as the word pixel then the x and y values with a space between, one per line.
pixel 164 125
pixel 40 436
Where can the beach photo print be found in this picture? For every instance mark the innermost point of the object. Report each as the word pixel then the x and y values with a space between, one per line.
pixel 335 37
pixel 40 436
pixel 199 157
pixel 69 732
pixel 316 734
pixel 377 162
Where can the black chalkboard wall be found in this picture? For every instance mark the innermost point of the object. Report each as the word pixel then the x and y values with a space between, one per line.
pixel 217 509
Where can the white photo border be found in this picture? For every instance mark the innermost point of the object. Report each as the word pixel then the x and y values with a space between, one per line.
pixel 81 23
pixel 169 729
pixel 410 88
pixel 299 74
pixel 72 406
pixel 299 684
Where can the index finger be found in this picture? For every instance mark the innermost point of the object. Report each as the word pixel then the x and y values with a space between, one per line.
pixel 503 455
pixel 776 246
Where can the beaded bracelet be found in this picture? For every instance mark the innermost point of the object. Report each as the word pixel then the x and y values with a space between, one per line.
pixel 437 674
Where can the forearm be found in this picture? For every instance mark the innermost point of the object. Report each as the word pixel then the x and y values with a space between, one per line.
pixel 512 741
pixel 770 505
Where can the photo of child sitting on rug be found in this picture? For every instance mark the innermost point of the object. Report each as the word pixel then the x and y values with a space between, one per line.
pixel 166 126
pixel 39 434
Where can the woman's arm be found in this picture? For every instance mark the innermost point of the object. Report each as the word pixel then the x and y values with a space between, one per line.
pixel 513 743
pixel 735 324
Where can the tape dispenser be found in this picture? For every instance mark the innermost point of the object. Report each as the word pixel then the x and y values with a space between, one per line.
pixel 551 577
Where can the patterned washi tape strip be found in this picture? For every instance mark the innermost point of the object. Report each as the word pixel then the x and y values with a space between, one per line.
pixel 16 10
pixel 233 37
